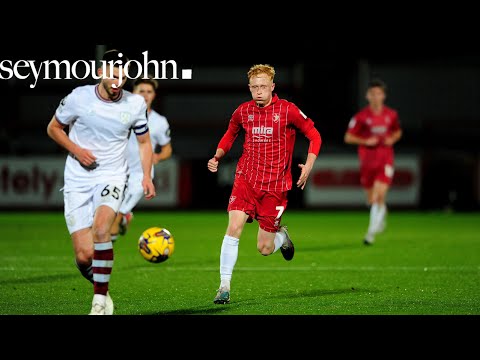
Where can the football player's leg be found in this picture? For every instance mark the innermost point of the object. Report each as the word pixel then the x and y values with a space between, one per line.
pixel 238 209
pixel 115 229
pixel 382 183
pixel 370 236
pixel 229 250
pixel 271 236
pixel 107 201
pixel 133 194
pixel 380 190
pixel 267 241
pixel 229 254
pixel 83 247
pixel 367 177
pixel 103 254
pixel 79 218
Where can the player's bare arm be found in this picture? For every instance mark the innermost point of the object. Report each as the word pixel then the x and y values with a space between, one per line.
pixel 146 155
pixel 306 169
pixel 226 142
pixel 56 131
pixel 356 140
pixel 391 140
pixel 213 162
pixel 163 155
pixel 315 138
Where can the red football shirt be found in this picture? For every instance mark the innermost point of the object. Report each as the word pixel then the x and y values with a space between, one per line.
pixel 366 124
pixel 269 142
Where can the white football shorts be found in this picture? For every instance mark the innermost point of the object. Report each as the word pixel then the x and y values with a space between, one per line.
pixel 133 194
pixel 80 206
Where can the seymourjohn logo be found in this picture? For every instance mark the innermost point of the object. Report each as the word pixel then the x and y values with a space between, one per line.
pixel 82 69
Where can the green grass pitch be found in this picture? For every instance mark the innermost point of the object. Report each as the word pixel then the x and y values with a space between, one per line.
pixel 424 263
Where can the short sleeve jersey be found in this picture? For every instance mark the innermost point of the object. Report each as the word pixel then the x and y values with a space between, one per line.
pixel 159 135
pixel 102 127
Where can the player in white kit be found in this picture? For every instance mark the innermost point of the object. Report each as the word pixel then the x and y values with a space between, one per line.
pixel 159 130
pixel 99 118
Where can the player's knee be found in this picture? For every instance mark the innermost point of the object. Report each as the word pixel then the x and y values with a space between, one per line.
pixel 101 233
pixel 265 249
pixel 84 257
pixel 265 246
pixel 378 198
pixel 235 230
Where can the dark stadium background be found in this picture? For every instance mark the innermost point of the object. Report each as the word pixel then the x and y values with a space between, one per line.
pixel 426 263
pixel 431 63
pixel 437 95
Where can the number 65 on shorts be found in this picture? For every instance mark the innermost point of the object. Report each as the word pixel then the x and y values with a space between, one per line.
pixel 80 206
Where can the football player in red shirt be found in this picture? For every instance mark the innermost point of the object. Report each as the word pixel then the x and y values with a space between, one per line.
pixel 263 175
pixel 375 129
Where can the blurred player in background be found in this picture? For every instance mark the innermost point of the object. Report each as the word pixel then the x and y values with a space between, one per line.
pixel 375 129
pixel 263 175
pixel 159 130
pixel 99 118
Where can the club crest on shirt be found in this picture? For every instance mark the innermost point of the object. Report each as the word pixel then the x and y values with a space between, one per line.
pixel 276 118
pixel 125 117
pixel 369 121
pixel 250 117
pixel 387 119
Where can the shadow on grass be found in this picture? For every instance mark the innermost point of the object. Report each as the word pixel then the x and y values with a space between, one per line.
pixel 320 292
pixel 210 310
pixel 331 247
pixel 204 310
pixel 208 267
pixel 220 309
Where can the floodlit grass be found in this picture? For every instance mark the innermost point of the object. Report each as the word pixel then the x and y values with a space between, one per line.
pixel 424 263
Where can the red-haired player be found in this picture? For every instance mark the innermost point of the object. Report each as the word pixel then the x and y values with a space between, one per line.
pixel 263 175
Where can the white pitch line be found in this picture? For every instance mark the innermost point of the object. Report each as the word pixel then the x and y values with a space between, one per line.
pixel 264 268
pixel 34 257
pixel 33 269
pixel 325 268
